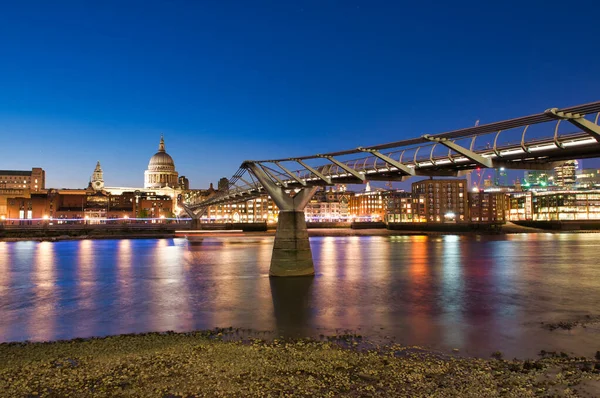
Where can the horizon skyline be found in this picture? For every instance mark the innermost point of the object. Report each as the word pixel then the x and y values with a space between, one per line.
pixel 234 81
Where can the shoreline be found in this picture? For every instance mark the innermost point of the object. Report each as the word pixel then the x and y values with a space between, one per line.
pixel 312 232
pixel 223 362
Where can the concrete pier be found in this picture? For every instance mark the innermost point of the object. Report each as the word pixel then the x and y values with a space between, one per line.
pixel 196 224
pixel 291 250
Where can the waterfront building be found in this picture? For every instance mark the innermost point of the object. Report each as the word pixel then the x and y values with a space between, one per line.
pixel 328 205
pixel 259 209
pixel 161 170
pixel 19 183
pixel 34 179
pixel 398 206
pixel 519 206
pixel 566 205
pixel 440 200
pixel 368 205
pixel 487 207
pixel 72 205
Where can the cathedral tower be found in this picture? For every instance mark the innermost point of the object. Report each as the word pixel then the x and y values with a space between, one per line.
pixel 97 178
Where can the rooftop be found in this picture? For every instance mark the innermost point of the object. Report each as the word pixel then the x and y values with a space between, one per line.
pixel 15 173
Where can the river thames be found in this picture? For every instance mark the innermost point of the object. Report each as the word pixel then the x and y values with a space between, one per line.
pixel 476 294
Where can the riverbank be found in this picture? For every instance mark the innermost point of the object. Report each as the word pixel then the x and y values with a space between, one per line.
pixel 204 364
pixel 168 232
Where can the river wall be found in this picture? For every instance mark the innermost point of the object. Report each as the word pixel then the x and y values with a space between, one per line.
pixel 574 225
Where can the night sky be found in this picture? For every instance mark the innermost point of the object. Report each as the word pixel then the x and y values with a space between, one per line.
pixel 82 81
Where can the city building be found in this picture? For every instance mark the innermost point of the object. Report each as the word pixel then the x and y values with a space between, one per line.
pixel 367 205
pixel 161 170
pixel 566 205
pixel 184 183
pixel 440 200
pixel 588 179
pixel 19 183
pixel 260 209
pixel 565 175
pixel 328 205
pixel 399 206
pixel 536 179
pixel 75 205
pixel 487 207
pixel 34 179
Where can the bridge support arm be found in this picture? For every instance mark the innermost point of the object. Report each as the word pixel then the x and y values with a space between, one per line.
pixel 291 174
pixel 292 255
pixel 272 175
pixel 577 120
pixel 195 215
pixel 345 167
pixel 475 157
pixel 401 167
pixel 314 171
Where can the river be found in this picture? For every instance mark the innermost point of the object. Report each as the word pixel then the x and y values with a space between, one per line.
pixel 475 294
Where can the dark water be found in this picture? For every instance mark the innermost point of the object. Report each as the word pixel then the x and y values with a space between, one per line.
pixel 475 294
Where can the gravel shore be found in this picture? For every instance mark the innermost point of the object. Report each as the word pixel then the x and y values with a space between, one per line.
pixel 220 363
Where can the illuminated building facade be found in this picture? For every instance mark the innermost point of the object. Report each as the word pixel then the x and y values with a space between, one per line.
pixel 71 205
pixel 329 205
pixel 565 175
pixel 554 206
pixel 261 209
pixel 519 206
pixel 19 183
pixel 368 205
pixel 399 206
pixel 566 205
pixel 588 179
pixel 487 207
pixel 34 179
pixel 440 201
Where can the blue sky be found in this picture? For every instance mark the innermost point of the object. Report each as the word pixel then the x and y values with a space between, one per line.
pixel 82 81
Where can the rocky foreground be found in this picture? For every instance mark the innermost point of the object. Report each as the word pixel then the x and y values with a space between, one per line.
pixel 203 364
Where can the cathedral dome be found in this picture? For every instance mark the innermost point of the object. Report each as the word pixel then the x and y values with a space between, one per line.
pixel 161 170
pixel 161 160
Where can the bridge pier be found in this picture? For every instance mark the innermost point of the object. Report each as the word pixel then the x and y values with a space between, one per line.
pixel 292 255
pixel 196 224
pixel 291 249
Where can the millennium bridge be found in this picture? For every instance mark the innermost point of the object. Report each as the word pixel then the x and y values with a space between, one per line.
pixel 535 142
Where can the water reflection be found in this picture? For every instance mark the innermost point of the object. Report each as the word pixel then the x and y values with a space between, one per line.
pixel 478 294
pixel 291 305
pixel 43 316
